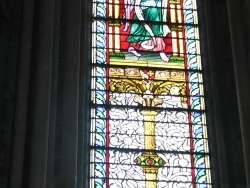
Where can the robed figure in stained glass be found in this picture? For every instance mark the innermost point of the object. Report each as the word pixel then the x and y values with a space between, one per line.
pixel 148 27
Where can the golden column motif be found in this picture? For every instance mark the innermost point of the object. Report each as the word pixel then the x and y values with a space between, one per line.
pixel 114 30
pixel 149 142
pixel 176 30
pixel 149 128
pixel 149 160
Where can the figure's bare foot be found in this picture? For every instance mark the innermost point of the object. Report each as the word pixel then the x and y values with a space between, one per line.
pixel 147 46
pixel 133 51
pixel 164 57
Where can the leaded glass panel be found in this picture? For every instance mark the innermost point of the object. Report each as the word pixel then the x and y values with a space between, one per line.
pixel 148 122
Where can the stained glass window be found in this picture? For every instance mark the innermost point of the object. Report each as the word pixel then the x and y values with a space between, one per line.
pixel 148 123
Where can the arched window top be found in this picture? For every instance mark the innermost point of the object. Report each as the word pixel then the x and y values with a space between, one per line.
pixel 148 124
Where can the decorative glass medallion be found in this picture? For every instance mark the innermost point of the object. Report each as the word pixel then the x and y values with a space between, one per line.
pixel 148 124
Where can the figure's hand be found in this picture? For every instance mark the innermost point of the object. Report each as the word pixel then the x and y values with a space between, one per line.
pixel 126 26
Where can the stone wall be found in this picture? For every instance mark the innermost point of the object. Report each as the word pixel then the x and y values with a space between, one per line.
pixel 9 43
